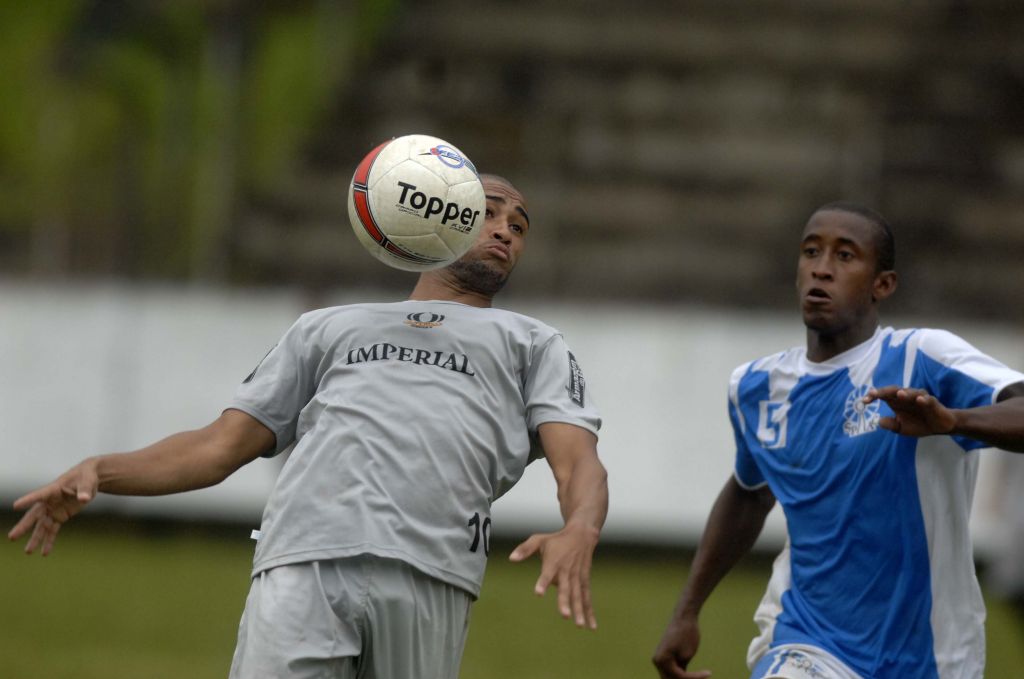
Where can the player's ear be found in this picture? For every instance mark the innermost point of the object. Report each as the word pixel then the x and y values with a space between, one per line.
pixel 885 284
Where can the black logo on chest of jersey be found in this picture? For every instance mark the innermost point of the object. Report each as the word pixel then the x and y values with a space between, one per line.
pixel 385 351
pixel 424 319
pixel 577 384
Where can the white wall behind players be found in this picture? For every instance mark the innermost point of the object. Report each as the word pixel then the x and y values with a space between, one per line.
pixel 97 368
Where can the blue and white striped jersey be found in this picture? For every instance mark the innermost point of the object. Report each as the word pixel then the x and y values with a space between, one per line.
pixel 878 570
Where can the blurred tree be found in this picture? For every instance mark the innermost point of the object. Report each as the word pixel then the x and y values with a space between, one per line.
pixel 131 132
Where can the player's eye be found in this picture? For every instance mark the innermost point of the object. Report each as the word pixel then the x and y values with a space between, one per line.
pixel 515 227
pixel 488 212
pixel 809 251
pixel 845 255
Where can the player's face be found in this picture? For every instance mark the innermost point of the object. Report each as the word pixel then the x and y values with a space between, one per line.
pixel 486 266
pixel 837 276
pixel 506 223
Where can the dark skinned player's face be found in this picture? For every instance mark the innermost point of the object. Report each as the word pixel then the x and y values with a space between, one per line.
pixel 503 234
pixel 486 266
pixel 503 237
pixel 837 277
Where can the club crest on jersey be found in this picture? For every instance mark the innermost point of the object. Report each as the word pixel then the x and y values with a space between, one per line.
pixel 424 319
pixel 859 417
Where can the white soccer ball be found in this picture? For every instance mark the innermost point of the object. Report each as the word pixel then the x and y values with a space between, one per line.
pixel 416 203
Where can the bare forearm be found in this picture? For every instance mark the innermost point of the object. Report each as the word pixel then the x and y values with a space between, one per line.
pixel 735 522
pixel 175 464
pixel 1000 425
pixel 582 480
pixel 583 494
pixel 187 460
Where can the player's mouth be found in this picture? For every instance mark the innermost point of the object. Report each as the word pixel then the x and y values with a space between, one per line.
pixel 499 250
pixel 817 296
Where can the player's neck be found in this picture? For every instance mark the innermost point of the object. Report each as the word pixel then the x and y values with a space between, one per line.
pixel 822 345
pixel 435 285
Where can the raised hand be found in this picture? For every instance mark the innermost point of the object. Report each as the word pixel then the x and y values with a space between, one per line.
pixel 52 505
pixel 916 412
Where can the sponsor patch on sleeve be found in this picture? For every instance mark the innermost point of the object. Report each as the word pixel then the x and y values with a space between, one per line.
pixel 577 384
pixel 251 375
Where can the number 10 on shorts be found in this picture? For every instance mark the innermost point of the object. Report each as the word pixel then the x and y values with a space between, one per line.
pixel 480 529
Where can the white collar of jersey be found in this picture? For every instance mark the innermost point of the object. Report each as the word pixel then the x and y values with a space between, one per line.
pixel 843 360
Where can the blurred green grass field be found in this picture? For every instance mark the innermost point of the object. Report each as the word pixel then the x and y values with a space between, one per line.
pixel 117 600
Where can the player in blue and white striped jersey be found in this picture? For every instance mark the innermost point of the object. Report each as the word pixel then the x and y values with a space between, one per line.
pixel 868 437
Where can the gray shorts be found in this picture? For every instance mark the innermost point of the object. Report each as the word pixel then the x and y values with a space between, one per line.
pixel 363 617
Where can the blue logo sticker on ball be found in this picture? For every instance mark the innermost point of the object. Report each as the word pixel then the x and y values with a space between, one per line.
pixel 447 155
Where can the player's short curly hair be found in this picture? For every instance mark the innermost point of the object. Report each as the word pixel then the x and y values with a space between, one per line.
pixel 885 242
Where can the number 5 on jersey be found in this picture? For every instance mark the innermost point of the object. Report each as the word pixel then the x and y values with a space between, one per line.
pixel 771 424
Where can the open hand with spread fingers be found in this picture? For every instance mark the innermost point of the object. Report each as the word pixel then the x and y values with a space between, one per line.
pixel 566 558
pixel 915 411
pixel 53 505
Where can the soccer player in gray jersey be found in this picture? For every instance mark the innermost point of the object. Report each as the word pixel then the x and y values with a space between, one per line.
pixel 405 422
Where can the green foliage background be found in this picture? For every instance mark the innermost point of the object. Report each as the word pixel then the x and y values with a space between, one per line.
pixel 131 133
pixel 118 601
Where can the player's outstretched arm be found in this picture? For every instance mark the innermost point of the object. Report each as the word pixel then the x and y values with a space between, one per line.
pixel 918 413
pixel 566 556
pixel 736 520
pixel 184 461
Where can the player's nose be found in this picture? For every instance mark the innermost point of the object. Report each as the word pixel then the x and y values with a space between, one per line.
pixel 822 269
pixel 500 230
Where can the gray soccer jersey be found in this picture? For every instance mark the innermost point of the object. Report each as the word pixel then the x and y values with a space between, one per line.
pixel 408 420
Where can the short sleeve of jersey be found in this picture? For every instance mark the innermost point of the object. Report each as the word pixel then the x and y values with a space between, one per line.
pixel 556 390
pixel 959 375
pixel 746 471
pixel 281 385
